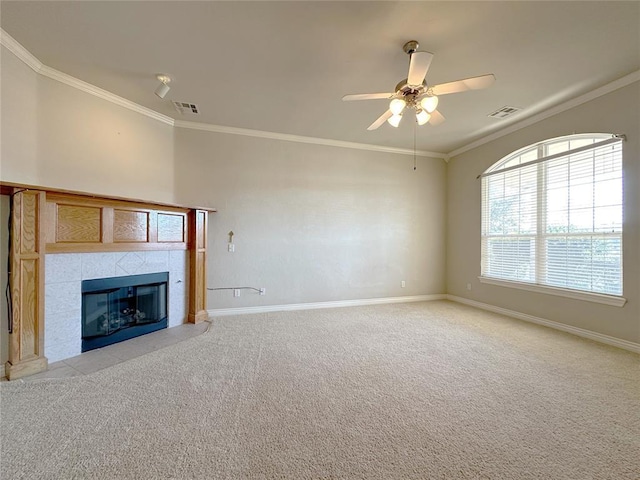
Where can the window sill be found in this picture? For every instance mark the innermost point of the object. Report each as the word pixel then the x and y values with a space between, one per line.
pixel 612 300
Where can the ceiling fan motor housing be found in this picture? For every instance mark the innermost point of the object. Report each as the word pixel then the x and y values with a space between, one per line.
pixel 411 46
pixel 410 94
pixel 404 88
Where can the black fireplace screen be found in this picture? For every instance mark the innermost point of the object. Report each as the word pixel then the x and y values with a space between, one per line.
pixel 119 308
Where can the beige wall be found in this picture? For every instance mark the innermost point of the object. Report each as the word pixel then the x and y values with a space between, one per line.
pixel 314 223
pixel 54 135
pixel 617 112
pixel 18 119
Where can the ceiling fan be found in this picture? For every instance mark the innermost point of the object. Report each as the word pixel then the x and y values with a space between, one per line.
pixel 415 94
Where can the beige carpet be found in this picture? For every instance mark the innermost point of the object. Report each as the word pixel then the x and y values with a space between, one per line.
pixel 408 391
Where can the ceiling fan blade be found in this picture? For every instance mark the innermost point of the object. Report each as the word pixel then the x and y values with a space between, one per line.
pixel 473 83
pixel 367 96
pixel 436 118
pixel 418 67
pixel 381 119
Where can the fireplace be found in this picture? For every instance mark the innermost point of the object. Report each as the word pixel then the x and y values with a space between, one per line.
pixel 120 308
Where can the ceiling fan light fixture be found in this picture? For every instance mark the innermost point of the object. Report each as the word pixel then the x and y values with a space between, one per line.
pixel 396 106
pixel 422 117
pixel 429 103
pixel 394 120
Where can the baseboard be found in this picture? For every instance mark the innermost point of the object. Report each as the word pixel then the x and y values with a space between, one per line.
pixel 219 312
pixel 581 332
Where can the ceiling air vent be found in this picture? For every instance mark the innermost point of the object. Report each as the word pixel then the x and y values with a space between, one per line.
pixel 504 112
pixel 186 108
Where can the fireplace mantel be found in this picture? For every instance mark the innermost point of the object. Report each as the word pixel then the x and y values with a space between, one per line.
pixel 51 221
pixel 78 224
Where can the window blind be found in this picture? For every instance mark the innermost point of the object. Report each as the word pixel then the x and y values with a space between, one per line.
pixel 557 220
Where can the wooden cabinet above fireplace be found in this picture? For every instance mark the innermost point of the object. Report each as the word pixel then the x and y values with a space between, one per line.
pixel 86 224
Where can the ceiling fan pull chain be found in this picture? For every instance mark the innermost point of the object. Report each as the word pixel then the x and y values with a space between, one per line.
pixel 414 146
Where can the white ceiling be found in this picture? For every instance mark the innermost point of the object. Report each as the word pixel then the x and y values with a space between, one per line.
pixel 284 66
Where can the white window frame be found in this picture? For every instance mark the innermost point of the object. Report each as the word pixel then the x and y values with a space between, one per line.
pixel 540 235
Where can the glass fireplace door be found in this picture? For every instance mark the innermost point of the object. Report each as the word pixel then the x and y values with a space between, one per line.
pixel 111 315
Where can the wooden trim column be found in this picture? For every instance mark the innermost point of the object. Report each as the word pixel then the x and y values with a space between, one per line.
pixel 198 266
pixel 26 340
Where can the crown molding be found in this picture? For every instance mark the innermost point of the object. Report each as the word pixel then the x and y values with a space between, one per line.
pixel 103 94
pixel 23 54
pixel 301 139
pixel 568 105
pixel 19 51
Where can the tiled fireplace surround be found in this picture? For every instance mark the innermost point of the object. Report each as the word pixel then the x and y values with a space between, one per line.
pixel 64 273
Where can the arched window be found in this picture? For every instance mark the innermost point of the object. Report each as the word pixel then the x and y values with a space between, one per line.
pixel 552 215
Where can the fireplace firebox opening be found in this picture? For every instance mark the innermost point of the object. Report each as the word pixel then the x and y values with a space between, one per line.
pixel 119 308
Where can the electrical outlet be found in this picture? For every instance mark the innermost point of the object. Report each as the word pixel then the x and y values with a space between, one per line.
pixel 231 247
pixel 402 284
pixel 468 286
pixel 236 292
pixel 263 291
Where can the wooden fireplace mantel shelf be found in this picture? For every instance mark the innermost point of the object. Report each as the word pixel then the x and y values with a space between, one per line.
pixel 7 188
pixel 45 220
